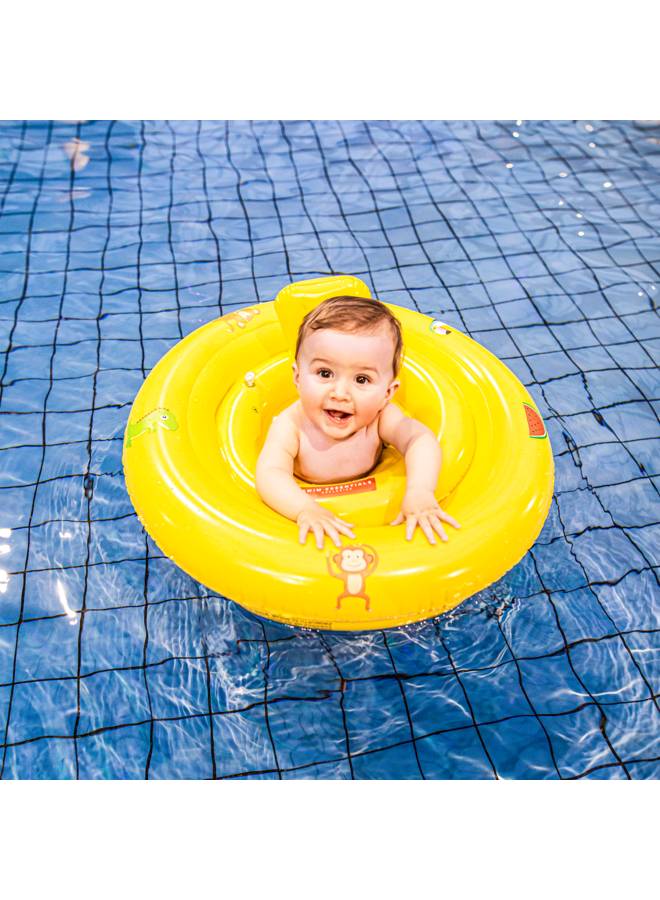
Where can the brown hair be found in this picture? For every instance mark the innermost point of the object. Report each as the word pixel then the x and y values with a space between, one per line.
pixel 350 314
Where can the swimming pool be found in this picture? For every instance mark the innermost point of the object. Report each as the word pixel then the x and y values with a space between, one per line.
pixel 539 239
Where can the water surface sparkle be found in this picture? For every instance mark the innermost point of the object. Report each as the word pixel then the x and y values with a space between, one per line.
pixel 120 238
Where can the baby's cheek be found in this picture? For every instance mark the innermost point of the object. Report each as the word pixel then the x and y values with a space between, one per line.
pixel 308 393
pixel 372 405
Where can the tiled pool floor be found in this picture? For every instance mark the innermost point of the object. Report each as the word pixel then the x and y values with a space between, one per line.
pixel 539 239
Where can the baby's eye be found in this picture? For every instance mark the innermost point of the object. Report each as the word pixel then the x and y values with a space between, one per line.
pixel 325 373
pixel 362 379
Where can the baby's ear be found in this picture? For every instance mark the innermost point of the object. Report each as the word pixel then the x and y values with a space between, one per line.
pixel 393 388
pixel 296 374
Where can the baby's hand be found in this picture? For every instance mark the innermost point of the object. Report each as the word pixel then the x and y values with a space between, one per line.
pixel 421 508
pixel 318 519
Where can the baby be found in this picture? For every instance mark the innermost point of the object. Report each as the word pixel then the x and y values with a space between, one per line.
pixel 348 357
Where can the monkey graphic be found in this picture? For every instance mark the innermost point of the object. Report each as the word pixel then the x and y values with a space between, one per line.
pixel 355 563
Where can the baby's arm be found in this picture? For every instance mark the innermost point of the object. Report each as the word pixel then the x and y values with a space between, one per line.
pixel 278 489
pixel 423 457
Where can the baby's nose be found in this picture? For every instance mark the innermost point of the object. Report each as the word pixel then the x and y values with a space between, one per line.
pixel 340 388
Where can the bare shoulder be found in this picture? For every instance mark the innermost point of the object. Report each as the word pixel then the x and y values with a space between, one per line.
pixel 289 420
pixel 391 414
pixel 284 431
pixel 389 420
pixel 292 414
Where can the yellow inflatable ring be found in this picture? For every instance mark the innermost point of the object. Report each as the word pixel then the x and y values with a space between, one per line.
pixel 200 419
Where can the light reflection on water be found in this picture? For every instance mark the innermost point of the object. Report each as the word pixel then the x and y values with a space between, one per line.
pixel 113 662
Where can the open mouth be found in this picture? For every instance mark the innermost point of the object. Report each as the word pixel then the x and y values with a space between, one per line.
pixel 337 416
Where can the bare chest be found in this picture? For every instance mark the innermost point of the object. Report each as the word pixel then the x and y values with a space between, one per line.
pixel 343 461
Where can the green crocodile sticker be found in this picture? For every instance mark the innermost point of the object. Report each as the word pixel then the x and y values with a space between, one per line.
pixel 160 416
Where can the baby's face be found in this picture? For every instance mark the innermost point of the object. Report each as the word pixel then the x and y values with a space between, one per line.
pixel 344 380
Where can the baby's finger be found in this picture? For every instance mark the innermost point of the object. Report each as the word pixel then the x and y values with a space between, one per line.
pixel 345 529
pixel 448 519
pixel 338 521
pixel 411 523
pixel 318 534
pixel 428 531
pixel 435 522
pixel 333 535
pixel 302 534
pixel 399 519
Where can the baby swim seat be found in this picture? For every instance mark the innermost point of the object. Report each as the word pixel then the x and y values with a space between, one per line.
pixel 199 422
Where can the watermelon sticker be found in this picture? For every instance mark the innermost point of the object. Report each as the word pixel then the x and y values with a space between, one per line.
pixel 534 422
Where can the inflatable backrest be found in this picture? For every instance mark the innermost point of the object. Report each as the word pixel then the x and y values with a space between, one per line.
pixel 295 300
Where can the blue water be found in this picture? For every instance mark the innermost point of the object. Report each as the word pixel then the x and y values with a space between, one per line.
pixel 119 238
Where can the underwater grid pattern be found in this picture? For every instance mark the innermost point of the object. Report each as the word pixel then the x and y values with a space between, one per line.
pixel 539 239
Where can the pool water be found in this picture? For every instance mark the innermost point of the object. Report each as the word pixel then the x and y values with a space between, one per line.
pixel 539 239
